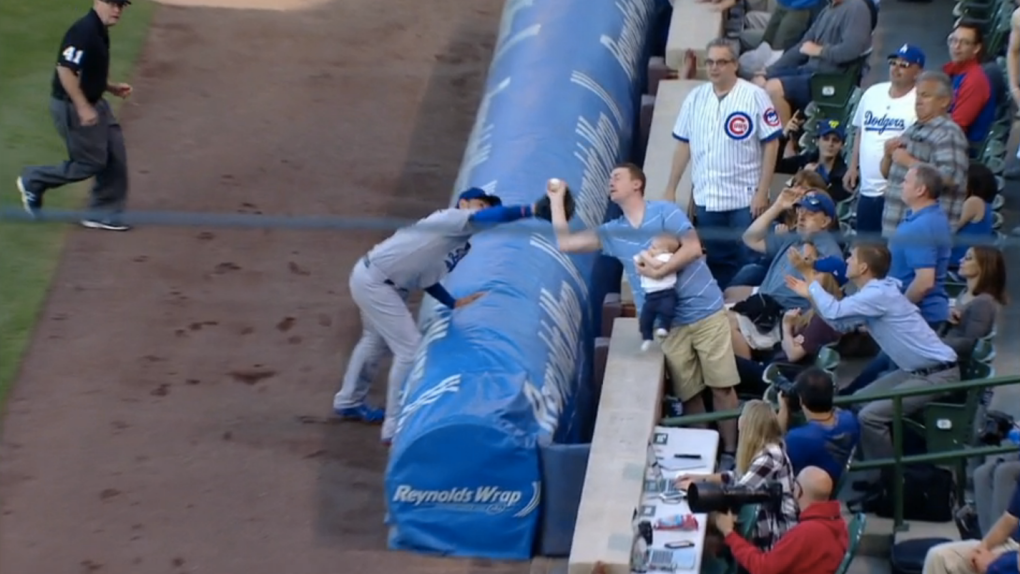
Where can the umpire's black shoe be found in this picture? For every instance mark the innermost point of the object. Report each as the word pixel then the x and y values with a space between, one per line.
pixel 106 224
pixel 30 200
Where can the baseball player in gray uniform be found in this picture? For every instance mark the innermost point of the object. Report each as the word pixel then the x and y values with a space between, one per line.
pixel 414 258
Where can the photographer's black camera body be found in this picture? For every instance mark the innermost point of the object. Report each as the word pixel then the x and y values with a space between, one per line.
pixel 789 390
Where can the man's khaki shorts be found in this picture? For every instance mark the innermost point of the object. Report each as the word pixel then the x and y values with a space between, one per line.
pixel 700 355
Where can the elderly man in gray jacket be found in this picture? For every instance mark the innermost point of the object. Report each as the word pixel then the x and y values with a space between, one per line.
pixel 833 44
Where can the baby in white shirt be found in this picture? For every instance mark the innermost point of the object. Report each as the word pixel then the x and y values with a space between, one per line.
pixel 660 294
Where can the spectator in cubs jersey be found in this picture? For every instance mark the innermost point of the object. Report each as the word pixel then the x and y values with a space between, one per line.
pixel 728 132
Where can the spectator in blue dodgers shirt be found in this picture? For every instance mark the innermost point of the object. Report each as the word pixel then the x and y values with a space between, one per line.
pixel 829 436
pixel 757 312
pixel 698 349
pixel 996 553
pixel 920 249
pixel 896 325
pixel 837 40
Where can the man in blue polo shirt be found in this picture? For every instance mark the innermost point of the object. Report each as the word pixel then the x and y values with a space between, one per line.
pixel 920 249
pixel 698 348
pixel 996 553
pixel 921 245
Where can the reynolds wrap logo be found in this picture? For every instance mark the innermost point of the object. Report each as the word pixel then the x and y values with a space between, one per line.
pixel 883 123
pixel 487 499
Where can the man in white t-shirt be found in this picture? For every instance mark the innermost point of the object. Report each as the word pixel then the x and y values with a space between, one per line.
pixel 728 131
pixel 885 111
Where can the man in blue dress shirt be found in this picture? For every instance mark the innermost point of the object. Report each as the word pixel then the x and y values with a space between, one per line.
pixel 896 325
pixel 920 249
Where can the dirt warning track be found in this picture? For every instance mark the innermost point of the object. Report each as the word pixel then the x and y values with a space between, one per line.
pixel 171 414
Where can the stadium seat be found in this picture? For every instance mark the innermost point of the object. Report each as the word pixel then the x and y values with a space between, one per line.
pixel 833 95
pixel 846 474
pixel 846 209
pixel 954 287
pixel 984 351
pixel 746 520
pixel 948 423
pixel 828 359
pixel 856 530
pixel 997 220
pixel 998 202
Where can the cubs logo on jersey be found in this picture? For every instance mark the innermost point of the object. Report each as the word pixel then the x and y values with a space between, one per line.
pixel 771 117
pixel 454 257
pixel 738 126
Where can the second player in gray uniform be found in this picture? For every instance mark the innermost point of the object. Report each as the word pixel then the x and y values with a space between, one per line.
pixel 413 259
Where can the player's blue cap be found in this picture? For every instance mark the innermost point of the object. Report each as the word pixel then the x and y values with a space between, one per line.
pixel 479 193
pixel 818 202
pixel 909 53
pixel 834 265
pixel 826 127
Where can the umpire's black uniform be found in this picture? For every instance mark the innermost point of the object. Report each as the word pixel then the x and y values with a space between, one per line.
pixel 95 150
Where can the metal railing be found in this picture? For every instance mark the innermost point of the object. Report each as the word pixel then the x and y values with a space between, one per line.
pixel 898 460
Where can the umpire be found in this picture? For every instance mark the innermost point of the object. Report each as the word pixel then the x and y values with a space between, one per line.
pixel 95 143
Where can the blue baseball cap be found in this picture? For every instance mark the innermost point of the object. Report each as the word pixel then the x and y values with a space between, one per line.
pixel 834 265
pixel 479 193
pixel 909 53
pixel 817 202
pixel 826 127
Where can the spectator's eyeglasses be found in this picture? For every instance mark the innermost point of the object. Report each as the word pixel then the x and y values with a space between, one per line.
pixel 718 63
pixel 954 41
pixel 900 64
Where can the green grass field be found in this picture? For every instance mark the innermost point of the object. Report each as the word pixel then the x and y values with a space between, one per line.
pixel 30 34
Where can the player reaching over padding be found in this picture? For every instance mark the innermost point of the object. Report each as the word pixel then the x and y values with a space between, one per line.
pixel 414 258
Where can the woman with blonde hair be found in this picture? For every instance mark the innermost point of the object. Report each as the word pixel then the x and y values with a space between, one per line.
pixel 761 460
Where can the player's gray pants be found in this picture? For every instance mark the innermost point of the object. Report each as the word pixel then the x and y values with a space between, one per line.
pixel 93 151
pixel 386 323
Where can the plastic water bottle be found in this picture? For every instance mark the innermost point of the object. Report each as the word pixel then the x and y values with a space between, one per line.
pixel 1014 435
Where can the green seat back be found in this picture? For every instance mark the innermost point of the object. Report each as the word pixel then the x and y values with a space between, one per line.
pixel 984 351
pixel 828 359
pixel 746 520
pixel 856 531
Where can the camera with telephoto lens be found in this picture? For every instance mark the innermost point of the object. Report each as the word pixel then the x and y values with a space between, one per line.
pixel 789 391
pixel 997 425
pixel 705 497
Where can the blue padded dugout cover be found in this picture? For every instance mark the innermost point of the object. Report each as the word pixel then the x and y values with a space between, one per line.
pixel 493 378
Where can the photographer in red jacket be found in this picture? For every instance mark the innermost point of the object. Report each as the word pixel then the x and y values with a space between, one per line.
pixel 816 545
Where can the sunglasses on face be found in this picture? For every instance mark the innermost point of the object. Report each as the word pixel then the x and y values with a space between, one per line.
pixel 900 64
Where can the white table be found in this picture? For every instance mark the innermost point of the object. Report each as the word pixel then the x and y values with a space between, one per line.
pixel 669 442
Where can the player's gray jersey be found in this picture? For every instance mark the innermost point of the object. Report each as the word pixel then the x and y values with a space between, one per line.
pixel 419 256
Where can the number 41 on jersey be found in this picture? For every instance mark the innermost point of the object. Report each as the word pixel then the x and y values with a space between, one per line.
pixel 72 54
